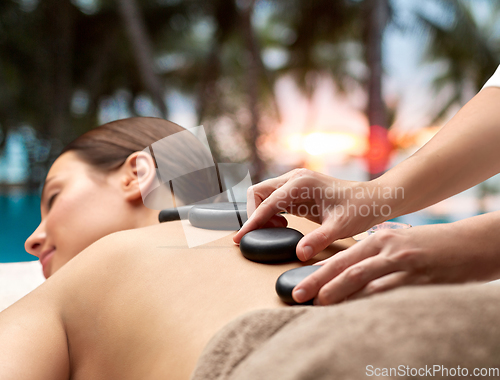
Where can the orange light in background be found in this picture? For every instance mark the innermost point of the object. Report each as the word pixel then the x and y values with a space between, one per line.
pixel 425 134
pixel 412 139
pixel 376 148
pixel 318 143
pixel 379 150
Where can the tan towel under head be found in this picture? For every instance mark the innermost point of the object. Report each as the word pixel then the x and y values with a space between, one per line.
pixel 413 330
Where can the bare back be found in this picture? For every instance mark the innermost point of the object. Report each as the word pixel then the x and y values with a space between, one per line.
pixel 140 304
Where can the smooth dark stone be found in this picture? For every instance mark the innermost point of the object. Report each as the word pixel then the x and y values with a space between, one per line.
pixel 290 279
pixel 271 245
pixel 219 216
pixel 170 214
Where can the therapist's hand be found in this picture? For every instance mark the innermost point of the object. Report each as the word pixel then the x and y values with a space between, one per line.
pixel 389 259
pixel 333 203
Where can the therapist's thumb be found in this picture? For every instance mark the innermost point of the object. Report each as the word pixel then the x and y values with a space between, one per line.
pixel 314 242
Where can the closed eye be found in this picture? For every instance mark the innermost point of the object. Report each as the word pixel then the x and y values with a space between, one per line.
pixel 51 200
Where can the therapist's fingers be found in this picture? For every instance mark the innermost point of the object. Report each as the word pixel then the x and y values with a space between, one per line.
pixel 354 279
pixel 383 284
pixel 310 286
pixel 276 221
pixel 314 242
pixel 276 202
pixel 257 193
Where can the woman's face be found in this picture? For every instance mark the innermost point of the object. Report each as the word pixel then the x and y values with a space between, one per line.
pixel 79 206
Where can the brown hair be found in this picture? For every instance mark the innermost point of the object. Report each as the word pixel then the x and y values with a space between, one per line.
pixel 108 146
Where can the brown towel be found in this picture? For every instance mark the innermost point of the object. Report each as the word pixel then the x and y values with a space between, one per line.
pixel 404 330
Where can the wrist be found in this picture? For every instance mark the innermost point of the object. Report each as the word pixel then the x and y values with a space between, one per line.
pixel 466 250
pixel 363 204
pixel 385 201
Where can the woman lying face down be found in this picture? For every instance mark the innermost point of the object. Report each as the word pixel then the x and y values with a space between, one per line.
pixel 136 302
pixel 80 205
pixel 93 188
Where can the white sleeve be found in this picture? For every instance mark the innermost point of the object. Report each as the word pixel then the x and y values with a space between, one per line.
pixel 494 81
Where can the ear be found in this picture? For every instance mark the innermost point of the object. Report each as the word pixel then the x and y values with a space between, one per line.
pixel 138 174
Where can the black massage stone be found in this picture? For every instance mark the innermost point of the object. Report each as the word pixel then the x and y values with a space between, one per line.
pixel 271 245
pixel 288 280
pixel 170 214
pixel 219 216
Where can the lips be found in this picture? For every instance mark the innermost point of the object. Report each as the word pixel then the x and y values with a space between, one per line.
pixel 45 258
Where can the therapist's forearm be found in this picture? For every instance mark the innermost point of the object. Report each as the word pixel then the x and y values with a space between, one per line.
pixel 476 244
pixel 465 152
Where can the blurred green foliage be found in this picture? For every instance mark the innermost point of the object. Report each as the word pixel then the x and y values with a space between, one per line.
pixel 59 58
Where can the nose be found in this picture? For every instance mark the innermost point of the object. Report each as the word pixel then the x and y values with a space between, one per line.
pixel 34 244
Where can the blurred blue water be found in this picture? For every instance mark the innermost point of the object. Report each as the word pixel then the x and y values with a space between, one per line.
pixel 19 216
